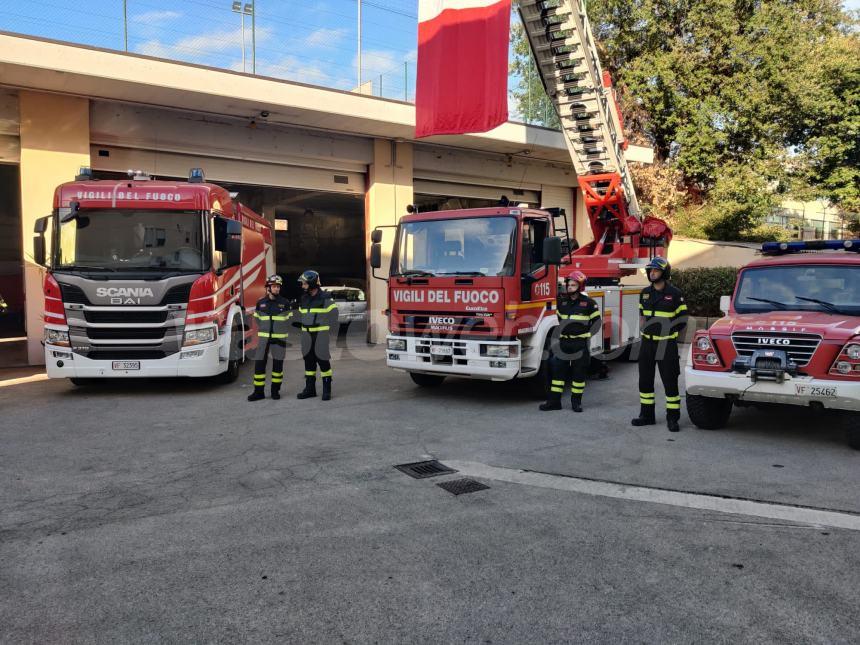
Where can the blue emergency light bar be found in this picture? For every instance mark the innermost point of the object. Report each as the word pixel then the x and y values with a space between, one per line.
pixel 780 248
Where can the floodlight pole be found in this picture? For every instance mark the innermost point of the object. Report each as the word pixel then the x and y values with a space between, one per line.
pixel 359 45
pixel 125 22
pixel 253 37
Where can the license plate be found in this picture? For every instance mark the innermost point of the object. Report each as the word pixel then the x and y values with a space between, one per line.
pixel 126 365
pixel 817 391
pixel 442 350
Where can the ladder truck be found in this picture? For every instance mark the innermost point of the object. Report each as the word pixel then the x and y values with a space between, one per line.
pixel 472 292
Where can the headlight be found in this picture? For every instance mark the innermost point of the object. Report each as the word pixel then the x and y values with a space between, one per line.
pixel 500 351
pixel 397 344
pixel 199 336
pixel 712 359
pixel 843 367
pixel 853 352
pixel 57 337
pixel 703 343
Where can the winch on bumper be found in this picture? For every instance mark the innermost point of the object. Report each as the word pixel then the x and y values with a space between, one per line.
pixel 796 389
pixel 483 359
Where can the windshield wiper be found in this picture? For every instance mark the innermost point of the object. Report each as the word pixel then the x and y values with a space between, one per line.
pixel 86 267
pixel 415 272
pixel 477 274
pixel 781 305
pixel 829 306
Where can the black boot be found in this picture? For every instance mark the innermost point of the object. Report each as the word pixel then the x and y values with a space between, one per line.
pixel 310 390
pixel 646 416
pixel 276 391
pixel 551 404
pixel 257 394
pixel 672 418
pixel 576 402
pixel 326 395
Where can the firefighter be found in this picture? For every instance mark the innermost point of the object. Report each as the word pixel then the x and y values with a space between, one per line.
pixel 579 320
pixel 317 315
pixel 273 315
pixel 664 316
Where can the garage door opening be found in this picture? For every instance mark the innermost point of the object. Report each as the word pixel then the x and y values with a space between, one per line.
pixel 313 230
pixel 11 255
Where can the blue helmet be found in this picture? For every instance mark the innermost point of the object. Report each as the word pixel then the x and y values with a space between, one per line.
pixel 661 264
pixel 311 277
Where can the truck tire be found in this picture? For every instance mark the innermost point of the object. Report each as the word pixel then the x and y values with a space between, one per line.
pixel 426 380
pixel 538 385
pixel 851 422
pixel 236 356
pixel 708 413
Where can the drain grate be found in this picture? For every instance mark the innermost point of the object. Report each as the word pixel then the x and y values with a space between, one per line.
pixel 463 486
pixel 424 469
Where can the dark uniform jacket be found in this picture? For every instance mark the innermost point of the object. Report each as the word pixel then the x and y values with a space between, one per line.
pixel 317 313
pixel 273 316
pixel 578 318
pixel 664 312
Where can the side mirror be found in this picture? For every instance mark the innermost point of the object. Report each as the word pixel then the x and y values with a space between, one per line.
pixel 725 304
pixel 228 239
pixel 376 254
pixel 376 236
pixel 39 246
pixel 552 250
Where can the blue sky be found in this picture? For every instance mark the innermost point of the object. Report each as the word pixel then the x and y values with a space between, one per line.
pixel 313 41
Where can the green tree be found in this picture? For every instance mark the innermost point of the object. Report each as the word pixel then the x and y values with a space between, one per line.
pixel 531 99
pixel 741 97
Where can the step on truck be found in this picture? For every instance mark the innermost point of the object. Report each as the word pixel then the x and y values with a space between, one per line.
pixel 790 337
pixel 150 278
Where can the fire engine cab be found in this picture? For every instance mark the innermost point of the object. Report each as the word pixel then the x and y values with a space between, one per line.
pixel 149 278
pixel 791 336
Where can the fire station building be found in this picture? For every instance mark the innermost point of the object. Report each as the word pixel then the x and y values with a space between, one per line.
pixel 326 166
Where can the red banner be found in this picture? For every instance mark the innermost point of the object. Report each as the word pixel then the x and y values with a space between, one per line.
pixel 462 83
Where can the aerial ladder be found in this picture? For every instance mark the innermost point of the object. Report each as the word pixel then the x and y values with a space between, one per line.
pixel 565 55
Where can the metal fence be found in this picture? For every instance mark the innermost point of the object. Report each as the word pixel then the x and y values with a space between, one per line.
pixel 815 224
pixel 343 44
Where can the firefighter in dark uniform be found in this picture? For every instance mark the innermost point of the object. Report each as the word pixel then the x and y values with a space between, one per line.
pixel 272 314
pixel 317 317
pixel 664 317
pixel 578 321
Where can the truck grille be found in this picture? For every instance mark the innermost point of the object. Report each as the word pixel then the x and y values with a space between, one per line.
pixel 444 323
pixel 799 347
pixel 126 354
pixel 125 316
pixel 125 333
pixel 178 295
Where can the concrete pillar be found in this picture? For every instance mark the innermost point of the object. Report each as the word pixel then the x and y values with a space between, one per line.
pixel 389 191
pixel 55 143
pixel 582 228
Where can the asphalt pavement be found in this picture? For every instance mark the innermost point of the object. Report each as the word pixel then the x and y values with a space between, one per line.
pixel 175 511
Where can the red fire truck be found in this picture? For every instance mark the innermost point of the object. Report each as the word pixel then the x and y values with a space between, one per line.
pixel 791 336
pixel 471 293
pixel 150 278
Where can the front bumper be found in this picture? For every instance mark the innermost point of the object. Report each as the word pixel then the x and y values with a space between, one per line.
pixel 467 360
pixel 208 363
pixel 795 390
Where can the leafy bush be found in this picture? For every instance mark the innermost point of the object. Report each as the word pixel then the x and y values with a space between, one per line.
pixel 703 287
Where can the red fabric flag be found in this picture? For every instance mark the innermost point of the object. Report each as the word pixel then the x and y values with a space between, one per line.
pixel 462 83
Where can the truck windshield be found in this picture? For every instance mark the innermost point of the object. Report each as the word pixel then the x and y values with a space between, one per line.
pixel 825 288
pixel 478 246
pixel 132 240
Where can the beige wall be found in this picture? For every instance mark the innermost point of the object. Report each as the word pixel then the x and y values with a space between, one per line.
pixel 389 191
pixel 55 143
pixel 686 253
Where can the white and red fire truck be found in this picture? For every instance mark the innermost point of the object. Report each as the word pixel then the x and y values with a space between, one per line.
pixel 791 336
pixel 150 278
pixel 472 292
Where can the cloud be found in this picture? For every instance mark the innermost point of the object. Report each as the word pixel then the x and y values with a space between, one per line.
pixel 153 18
pixel 293 69
pixel 378 61
pixel 325 38
pixel 200 45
